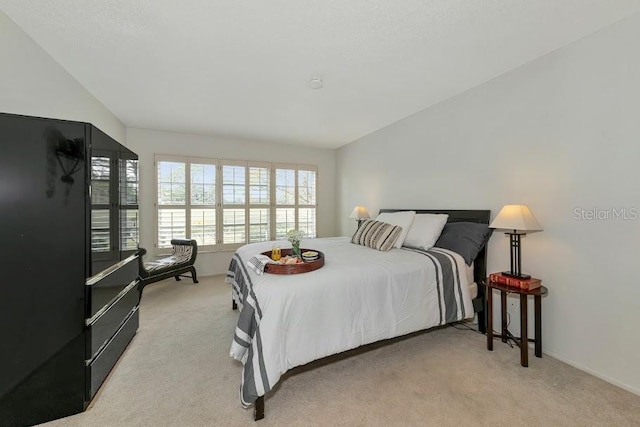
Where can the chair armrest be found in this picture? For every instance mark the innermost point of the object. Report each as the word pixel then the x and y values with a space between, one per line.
pixel 187 242
pixel 142 272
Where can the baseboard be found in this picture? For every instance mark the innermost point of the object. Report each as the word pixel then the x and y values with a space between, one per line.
pixel 576 365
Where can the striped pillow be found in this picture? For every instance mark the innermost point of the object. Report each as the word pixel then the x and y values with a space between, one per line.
pixel 377 235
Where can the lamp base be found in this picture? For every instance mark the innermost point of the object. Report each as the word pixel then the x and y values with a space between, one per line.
pixel 516 275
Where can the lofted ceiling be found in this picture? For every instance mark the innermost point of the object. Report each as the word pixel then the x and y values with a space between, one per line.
pixel 241 68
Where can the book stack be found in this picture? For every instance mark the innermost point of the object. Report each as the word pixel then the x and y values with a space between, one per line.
pixel 514 282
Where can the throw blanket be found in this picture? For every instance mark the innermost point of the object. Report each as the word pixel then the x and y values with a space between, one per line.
pixel 360 296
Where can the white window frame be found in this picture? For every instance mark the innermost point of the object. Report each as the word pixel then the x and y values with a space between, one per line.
pixel 156 223
pixel 216 205
pixel 296 206
pixel 188 161
pixel 268 205
pixel 307 168
pixel 219 204
pixel 242 163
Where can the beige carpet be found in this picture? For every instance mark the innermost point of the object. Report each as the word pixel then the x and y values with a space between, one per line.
pixel 177 372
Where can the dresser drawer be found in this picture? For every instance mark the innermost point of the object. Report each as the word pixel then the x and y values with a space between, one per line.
pixel 104 325
pixel 99 367
pixel 105 286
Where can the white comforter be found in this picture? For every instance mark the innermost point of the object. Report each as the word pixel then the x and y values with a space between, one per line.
pixel 360 296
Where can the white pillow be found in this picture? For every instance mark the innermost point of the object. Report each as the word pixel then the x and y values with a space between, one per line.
pixel 403 219
pixel 425 230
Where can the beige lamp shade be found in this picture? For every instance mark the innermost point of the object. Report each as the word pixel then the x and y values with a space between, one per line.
pixel 516 218
pixel 360 213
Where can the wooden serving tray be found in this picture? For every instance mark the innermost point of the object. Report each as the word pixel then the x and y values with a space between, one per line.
pixel 305 267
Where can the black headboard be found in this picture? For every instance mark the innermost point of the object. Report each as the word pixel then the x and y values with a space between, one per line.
pixel 480 264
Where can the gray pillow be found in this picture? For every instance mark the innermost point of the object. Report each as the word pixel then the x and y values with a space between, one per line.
pixel 464 238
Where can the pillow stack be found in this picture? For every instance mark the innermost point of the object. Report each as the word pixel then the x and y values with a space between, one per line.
pixel 422 231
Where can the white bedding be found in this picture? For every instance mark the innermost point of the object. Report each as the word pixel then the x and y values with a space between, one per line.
pixel 360 296
pixel 473 287
pixel 473 290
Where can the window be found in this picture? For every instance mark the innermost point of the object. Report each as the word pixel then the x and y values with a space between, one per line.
pixel 203 203
pixel 172 202
pixel 295 201
pixel 234 200
pixel 229 203
pixel 306 206
pixel 259 202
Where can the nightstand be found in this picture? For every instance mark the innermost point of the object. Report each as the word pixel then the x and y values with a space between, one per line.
pixel 523 340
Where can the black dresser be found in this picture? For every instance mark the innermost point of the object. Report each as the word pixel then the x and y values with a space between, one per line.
pixel 68 250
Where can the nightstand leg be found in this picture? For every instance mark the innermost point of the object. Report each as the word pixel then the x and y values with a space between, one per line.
pixel 489 319
pixel 524 340
pixel 503 311
pixel 538 314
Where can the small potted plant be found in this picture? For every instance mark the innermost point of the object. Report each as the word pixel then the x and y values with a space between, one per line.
pixel 294 237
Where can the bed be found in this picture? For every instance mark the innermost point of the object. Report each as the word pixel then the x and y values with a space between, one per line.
pixel 360 296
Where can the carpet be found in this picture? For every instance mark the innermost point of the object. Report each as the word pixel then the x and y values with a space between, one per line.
pixel 177 372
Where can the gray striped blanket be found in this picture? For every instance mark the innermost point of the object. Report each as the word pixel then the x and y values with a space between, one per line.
pixel 287 321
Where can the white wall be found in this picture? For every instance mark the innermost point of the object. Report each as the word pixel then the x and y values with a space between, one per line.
pixel 559 133
pixel 33 83
pixel 147 143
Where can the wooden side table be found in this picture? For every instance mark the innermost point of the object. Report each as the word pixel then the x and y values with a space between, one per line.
pixel 524 340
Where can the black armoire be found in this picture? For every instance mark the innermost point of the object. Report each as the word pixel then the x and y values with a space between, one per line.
pixel 68 250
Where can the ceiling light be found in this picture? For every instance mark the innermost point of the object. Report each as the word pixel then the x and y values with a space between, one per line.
pixel 315 83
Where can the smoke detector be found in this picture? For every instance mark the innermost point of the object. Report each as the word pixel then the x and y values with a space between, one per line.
pixel 315 83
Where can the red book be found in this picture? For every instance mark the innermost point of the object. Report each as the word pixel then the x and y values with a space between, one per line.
pixel 514 282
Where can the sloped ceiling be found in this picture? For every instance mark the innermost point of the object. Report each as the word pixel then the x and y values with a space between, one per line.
pixel 241 68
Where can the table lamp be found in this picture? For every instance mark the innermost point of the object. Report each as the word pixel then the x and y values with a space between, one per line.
pixel 516 221
pixel 360 213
